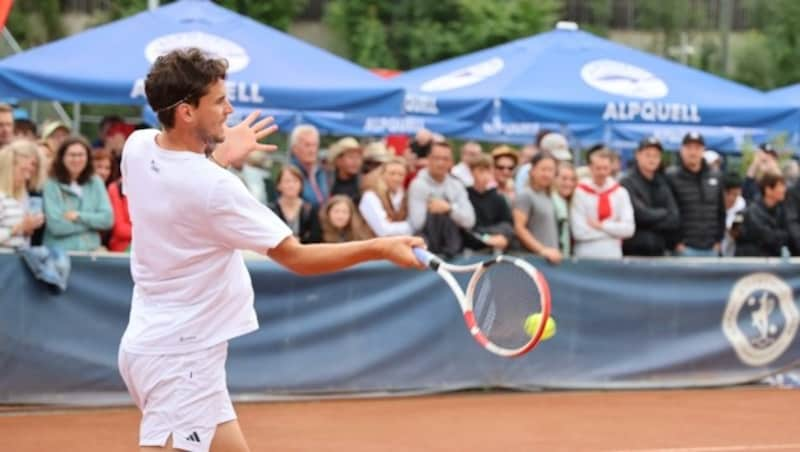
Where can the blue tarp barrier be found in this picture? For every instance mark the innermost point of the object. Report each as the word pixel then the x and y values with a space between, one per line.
pixel 375 328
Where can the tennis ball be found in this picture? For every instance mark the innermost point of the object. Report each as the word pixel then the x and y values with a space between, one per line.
pixel 532 325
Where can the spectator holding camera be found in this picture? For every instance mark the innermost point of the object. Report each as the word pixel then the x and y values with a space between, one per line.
pixel 765 160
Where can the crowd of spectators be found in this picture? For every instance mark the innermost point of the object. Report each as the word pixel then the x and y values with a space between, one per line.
pixel 60 190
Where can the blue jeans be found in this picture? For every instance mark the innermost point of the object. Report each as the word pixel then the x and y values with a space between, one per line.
pixel 697 252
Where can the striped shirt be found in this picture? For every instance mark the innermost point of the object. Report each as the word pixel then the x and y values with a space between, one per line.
pixel 12 211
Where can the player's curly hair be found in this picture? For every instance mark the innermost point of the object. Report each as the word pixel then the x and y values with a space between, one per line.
pixel 183 75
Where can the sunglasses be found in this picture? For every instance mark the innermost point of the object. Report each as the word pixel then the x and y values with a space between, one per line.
pixel 504 168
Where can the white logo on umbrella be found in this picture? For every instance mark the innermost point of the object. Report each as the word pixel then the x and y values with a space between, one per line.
pixel 465 76
pixel 625 79
pixel 216 46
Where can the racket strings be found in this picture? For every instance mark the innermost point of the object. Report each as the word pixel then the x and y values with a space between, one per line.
pixel 504 296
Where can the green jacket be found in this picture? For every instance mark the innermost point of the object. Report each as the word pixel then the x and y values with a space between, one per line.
pixel 94 211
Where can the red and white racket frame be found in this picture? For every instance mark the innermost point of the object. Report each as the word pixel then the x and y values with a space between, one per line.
pixel 446 270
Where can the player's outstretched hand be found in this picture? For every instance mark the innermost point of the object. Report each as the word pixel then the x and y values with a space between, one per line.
pixel 244 138
pixel 398 250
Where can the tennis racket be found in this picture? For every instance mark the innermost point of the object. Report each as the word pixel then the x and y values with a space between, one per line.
pixel 502 292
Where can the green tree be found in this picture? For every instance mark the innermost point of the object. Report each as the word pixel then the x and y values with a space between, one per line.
pixel 783 40
pixel 412 33
pixel 34 22
pixel 275 13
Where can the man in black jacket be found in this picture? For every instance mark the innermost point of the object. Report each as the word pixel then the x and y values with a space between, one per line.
pixel 654 208
pixel 764 231
pixel 699 194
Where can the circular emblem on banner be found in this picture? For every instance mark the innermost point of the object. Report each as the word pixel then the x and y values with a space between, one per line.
pixel 215 45
pixel 464 77
pixel 625 79
pixel 761 318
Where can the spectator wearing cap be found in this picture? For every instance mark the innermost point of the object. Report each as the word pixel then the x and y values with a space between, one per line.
pixel 493 228
pixel 764 230
pixel 347 157
pixel 563 189
pixel 76 202
pixel 438 204
pixel 655 211
pixel 765 160
pixel 734 205
pixel 699 194
pixel 601 215
pixel 304 145
pixel 6 124
pixel 54 133
pixel 102 129
pixel 384 204
pixel 535 222
pixel 554 144
pixel 470 152
pixel 505 159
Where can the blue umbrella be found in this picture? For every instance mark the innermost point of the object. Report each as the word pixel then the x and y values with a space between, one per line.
pixel 268 69
pixel 568 77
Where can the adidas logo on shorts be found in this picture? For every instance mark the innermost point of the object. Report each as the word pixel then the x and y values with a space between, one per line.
pixel 193 437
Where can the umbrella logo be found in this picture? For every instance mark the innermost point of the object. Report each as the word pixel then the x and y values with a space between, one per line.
pixel 624 79
pixel 465 76
pixel 215 45
pixel 761 318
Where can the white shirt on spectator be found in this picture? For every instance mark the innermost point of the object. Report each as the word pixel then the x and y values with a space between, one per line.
pixel 463 173
pixel 377 218
pixel 190 219
pixel 12 212
pixel 605 242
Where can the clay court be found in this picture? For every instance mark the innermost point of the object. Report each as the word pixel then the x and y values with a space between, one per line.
pixel 721 420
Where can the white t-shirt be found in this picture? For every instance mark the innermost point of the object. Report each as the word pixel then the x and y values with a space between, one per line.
pixel 190 219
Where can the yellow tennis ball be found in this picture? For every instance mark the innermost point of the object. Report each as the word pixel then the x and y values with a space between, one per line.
pixel 532 326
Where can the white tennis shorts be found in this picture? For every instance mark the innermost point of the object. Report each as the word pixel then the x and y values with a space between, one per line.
pixel 183 395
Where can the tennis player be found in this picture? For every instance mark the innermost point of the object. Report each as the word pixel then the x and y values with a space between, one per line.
pixel 192 292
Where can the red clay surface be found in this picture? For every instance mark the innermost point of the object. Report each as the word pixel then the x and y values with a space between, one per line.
pixel 726 420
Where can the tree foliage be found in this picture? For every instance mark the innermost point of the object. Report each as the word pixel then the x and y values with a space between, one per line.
pixel 412 33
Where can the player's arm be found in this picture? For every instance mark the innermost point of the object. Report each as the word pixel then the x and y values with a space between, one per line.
pixel 314 259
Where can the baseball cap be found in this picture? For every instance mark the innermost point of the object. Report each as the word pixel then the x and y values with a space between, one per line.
pixel 650 142
pixel 556 144
pixel 693 137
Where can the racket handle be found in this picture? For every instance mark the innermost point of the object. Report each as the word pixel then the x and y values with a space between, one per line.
pixel 423 256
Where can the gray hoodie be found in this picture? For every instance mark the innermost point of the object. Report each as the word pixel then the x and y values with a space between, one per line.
pixel 423 188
